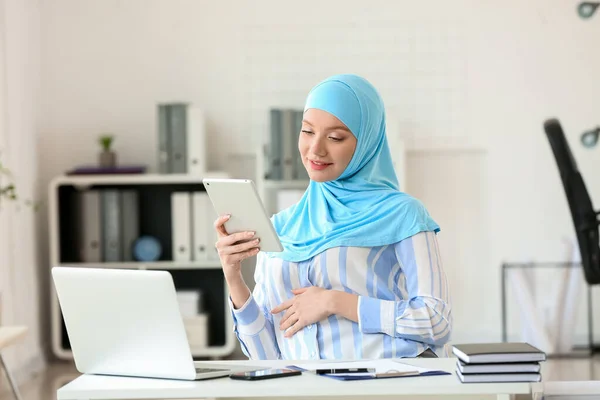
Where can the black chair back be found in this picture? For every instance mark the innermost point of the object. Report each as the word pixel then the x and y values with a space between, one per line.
pixel 585 219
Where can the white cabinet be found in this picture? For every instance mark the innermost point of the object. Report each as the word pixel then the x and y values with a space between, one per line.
pixel 154 193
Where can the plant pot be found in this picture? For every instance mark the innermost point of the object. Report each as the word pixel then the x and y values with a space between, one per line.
pixel 107 159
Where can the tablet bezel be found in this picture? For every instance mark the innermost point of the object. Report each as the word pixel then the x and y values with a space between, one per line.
pixel 240 198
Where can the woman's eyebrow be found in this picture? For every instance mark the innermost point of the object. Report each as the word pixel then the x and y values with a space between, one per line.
pixel 338 128
pixel 331 128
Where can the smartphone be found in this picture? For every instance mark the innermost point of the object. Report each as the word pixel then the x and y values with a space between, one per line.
pixel 264 374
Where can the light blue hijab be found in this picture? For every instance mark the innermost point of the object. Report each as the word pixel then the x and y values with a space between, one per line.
pixel 364 206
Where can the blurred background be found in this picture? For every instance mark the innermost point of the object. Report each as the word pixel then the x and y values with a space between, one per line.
pixel 467 86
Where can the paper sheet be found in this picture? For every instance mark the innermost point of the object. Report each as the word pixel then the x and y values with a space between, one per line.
pixel 381 366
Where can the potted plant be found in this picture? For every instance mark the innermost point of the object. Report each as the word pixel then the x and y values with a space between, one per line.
pixel 107 158
pixel 7 191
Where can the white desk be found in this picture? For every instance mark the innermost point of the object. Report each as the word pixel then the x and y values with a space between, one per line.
pixel 95 387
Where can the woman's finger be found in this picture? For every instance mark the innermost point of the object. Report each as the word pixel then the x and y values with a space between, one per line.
pixel 220 224
pixel 235 238
pixel 295 328
pixel 283 306
pixel 239 248
pixel 286 315
pixel 238 257
pixel 289 321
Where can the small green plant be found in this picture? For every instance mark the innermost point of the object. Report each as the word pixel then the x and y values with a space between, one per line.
pixel 8 191
pixel 106 141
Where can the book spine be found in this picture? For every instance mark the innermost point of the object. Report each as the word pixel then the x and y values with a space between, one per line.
pixel 287 142
pixel 130 222
pixel 298 167
pixel 164 162
pixel 111 226
pixel 178 131
pixel 202 225
pixel 275 148
pixel 90 226
pixel 196 141
pixel 211 232
pixel 181 226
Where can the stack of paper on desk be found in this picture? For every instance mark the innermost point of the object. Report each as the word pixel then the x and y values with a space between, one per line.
pixel 384 368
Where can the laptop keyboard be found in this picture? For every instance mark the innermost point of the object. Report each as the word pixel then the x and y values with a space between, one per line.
pixel 201 370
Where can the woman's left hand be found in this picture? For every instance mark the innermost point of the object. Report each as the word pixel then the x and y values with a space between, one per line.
pixel 309 305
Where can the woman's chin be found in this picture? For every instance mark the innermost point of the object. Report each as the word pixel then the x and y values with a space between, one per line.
pixel 320 177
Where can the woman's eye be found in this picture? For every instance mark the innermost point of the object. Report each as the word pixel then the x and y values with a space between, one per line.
pixel 306 131
pixel 335 139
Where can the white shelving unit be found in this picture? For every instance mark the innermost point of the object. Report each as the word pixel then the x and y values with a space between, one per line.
pixel 203 272
pixel 267 188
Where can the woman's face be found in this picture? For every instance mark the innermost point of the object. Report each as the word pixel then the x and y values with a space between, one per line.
pixel 326 145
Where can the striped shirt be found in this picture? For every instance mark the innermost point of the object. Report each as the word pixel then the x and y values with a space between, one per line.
pixel 403 303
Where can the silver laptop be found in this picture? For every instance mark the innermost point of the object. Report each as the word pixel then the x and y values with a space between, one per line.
pixel 128 323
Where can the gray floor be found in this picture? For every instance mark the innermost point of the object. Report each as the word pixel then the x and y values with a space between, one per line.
pixel 44 385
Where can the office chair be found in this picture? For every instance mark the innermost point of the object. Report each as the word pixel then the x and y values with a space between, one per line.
pixel 585 219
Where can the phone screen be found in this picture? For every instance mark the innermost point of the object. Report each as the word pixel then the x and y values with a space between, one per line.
pixel 265 374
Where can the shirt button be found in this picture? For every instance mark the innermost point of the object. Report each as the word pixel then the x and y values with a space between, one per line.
pixel 309 326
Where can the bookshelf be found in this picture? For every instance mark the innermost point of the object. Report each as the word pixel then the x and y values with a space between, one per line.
pixel 268 188
pixel 154 207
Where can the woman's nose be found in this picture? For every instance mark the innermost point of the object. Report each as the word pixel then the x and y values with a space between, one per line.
pixel 318 147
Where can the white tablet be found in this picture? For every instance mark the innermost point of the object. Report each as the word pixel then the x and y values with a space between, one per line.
pixel 239 198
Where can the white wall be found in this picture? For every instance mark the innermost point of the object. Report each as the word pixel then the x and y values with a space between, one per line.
pixel 458 77
pixel 19 256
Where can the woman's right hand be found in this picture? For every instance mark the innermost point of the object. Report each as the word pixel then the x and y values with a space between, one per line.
pixel 234 248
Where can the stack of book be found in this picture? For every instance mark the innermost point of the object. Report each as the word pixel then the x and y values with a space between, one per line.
pixel 498 362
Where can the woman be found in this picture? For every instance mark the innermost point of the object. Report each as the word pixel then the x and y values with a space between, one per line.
pixel 360 275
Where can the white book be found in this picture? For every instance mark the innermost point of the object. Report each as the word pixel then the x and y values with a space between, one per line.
pixel 196 141
pixel 498 352
pixel 188 301
pixel 481 378
pixel 181 232
pixel 201 225
pixel 497 368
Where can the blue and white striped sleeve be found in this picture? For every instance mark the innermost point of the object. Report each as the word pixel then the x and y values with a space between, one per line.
pixel 253 323
pixel 425 315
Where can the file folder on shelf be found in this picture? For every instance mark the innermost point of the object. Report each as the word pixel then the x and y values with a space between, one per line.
pixel 181 226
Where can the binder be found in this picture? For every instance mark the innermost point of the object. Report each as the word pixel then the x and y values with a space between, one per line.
pixel 130 222
pixel 212 252
pixel 111 225
pixel 201 226
pixel 164 160
pixel 195 141
pixel 275 148
pixel 178 137
pixel 287 143
pixel 299 172
pixel 181 226
pixel 90 226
